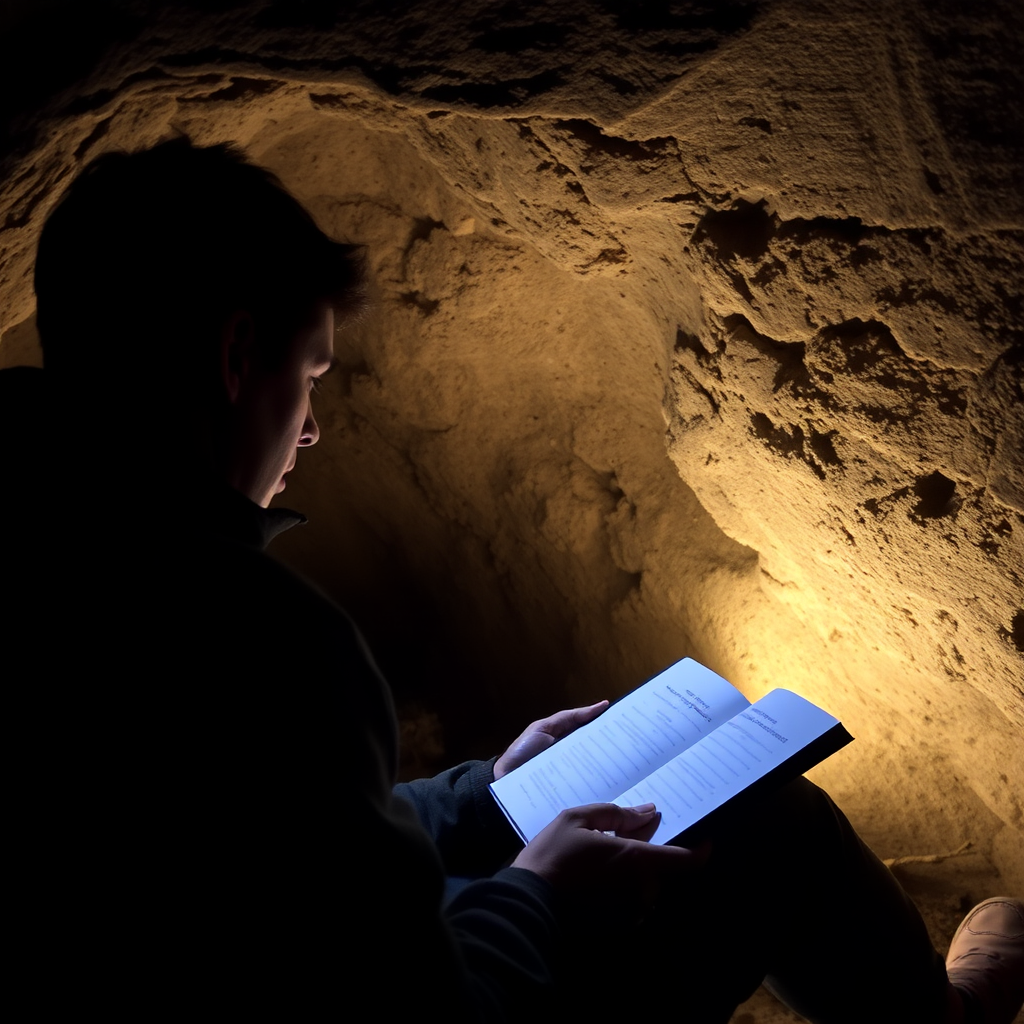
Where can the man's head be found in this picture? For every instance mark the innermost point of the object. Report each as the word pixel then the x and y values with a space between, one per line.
pixel 190 283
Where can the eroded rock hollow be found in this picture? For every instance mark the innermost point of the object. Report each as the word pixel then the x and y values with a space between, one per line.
pixel 695 330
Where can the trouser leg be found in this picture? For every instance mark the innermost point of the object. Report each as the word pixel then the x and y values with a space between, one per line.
pixel 855 947
pixel 793 894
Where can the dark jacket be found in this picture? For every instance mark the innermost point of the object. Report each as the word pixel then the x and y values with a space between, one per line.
pixel 203 810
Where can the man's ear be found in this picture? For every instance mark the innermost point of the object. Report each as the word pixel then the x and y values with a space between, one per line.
pixel 237 343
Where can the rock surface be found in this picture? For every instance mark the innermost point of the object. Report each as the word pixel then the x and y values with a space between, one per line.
pixel 696 330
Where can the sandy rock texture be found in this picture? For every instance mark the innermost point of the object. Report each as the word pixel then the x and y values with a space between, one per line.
pixel 695 330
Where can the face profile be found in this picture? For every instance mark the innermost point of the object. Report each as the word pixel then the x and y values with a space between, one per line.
pixel 271 403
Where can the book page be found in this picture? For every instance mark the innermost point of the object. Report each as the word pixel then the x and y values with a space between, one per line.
pixel 633 738
pixel 727 761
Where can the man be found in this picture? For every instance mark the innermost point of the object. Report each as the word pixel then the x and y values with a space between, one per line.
pixel 206 824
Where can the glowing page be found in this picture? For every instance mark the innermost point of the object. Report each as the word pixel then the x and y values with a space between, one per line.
pixel 686 741
pixel 723 764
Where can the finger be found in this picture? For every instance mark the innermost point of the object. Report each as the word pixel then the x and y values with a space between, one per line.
pixel 695 856
pixel 565 722
pixel 634 822
pixel 644 833
pixel 656 856
pixel 583 715
pixel 701 852
pixel 612 817
pixel 652 857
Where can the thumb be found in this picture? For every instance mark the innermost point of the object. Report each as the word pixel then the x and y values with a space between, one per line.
pixel 568 721
pixel 529 745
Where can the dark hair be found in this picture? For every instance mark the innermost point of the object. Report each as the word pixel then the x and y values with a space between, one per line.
pixel 147 252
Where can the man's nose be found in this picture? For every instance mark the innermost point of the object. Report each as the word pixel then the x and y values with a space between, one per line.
pixel 310 431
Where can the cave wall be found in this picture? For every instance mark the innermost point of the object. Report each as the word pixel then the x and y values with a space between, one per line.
pixel 694 330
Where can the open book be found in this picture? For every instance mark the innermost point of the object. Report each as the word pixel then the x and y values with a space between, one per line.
pixel 686 741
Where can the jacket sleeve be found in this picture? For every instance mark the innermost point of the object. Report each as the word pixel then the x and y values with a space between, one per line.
pixel 327 883
pixel 484 956
pixel 459 814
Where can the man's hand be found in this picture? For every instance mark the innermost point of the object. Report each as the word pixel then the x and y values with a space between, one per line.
pixel 538 736
pixel 575 853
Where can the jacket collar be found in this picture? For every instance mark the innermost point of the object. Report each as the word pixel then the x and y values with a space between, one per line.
pixel 232 516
